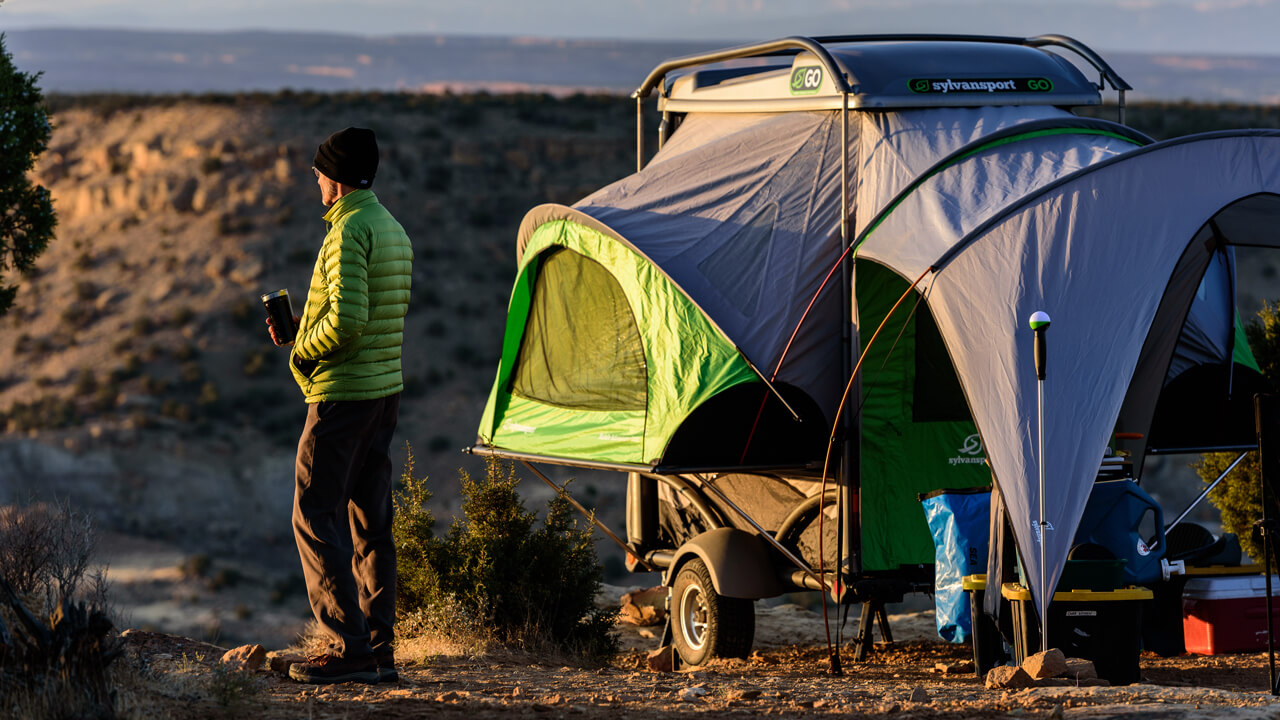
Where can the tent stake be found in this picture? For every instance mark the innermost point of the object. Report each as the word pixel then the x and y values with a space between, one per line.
pixel 1040 324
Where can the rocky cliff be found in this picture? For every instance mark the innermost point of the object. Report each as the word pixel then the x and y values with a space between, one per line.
pixel 137 377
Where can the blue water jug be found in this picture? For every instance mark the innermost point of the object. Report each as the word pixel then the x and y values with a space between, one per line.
pixel 1113 518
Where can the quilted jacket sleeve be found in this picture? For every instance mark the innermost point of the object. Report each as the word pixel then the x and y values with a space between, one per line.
pixel 344 268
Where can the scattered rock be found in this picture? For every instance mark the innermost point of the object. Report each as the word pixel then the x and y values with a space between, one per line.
pixel 1046 664
pixel 1007 677
pixel 245 657
pixel 645 607
pixel 1053 682
pixel 954 668
pixel 1094 682
pixel 1080 669
pixel 280 660
pixel 891 707
pixel 691 694
pixel 661 660
pixel 1056 713
pixel 744 694
pixel 517 692
pixel 920 695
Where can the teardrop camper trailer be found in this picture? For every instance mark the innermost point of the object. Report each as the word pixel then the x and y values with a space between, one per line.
pixel 810 306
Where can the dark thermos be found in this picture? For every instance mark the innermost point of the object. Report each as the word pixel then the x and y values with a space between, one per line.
pixel 280 310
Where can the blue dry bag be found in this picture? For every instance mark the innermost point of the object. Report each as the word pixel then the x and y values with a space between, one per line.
pixel 958 521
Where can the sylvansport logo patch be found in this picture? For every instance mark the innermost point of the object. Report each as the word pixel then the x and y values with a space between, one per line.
pixel 942 86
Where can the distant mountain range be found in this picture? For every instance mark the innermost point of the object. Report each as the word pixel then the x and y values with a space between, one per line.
pixel 90 61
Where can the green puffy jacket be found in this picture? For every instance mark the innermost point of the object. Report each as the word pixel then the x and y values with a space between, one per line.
pixel 348 342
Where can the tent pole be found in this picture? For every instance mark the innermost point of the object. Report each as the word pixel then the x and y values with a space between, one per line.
pixel 844 478
pixel 639 132
pixel 590 516
pixel 1040 325
pixel 1202 495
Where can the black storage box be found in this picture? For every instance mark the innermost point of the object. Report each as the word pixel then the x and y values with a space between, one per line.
pixel 1104 627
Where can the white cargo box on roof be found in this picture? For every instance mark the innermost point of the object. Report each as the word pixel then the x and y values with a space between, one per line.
pixel 884 74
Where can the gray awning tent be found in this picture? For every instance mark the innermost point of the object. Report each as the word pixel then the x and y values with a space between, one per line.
pixel 1110 253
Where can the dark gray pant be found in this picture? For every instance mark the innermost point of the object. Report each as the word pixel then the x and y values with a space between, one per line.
pixel 342 521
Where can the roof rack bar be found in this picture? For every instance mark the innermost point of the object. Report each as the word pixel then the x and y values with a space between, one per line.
pixel 787 45
pixel 1067 43
pixel 1079 48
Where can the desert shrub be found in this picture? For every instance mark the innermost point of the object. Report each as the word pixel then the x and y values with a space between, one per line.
pixel 55 659
pixel 177 410
pixel 526 585
pixel 143 326
pixel 257 361
pixel 208 395
pixel 245 313
pixel 1238 497
pixel 152 385
pixel 191 372
pixel 85 290
pixel 196 566
pixel 86 383
pixel 45 413
pixel 105 397
pixel 183 315
pixel 232 689
pixel 78 315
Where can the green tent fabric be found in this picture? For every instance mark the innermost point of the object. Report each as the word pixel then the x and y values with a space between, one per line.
pixel 915 437
pixel 603 355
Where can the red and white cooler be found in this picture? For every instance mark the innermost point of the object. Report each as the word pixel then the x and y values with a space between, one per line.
pixel 1228 614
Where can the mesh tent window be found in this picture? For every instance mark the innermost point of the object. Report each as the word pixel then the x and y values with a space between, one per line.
pixel 581 347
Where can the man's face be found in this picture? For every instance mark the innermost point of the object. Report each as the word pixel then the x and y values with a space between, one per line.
pixel 328 188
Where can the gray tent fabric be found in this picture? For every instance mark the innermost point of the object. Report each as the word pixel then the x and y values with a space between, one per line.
pixel 746 202
pixel 893 148
pixel 1095 251
pixel 954 201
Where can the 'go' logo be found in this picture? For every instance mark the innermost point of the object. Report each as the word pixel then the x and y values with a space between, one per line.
pixel 806 80
pixel 1040 85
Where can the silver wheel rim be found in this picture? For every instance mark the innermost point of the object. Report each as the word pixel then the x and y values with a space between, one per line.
pixel 693 617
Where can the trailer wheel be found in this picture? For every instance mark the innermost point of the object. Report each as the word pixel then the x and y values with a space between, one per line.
pixel 706 624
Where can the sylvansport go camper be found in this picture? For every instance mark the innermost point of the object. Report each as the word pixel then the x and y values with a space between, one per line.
pixel 810 305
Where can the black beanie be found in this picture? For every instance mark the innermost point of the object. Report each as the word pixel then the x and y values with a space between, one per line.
pixel 349 156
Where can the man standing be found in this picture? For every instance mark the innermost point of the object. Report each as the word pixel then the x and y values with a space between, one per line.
pixel 346 359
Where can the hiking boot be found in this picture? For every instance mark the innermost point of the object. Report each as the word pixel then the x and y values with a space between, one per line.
pixel 386 660
pixel 325 668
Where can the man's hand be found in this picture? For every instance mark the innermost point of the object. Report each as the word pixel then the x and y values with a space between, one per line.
pixel 271 329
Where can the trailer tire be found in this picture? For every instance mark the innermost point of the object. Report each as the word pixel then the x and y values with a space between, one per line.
pixel 706 624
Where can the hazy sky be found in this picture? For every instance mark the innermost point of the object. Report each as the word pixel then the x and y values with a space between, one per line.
pixel 1194 26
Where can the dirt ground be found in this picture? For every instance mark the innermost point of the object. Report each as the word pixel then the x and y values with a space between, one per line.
pixel 176 677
